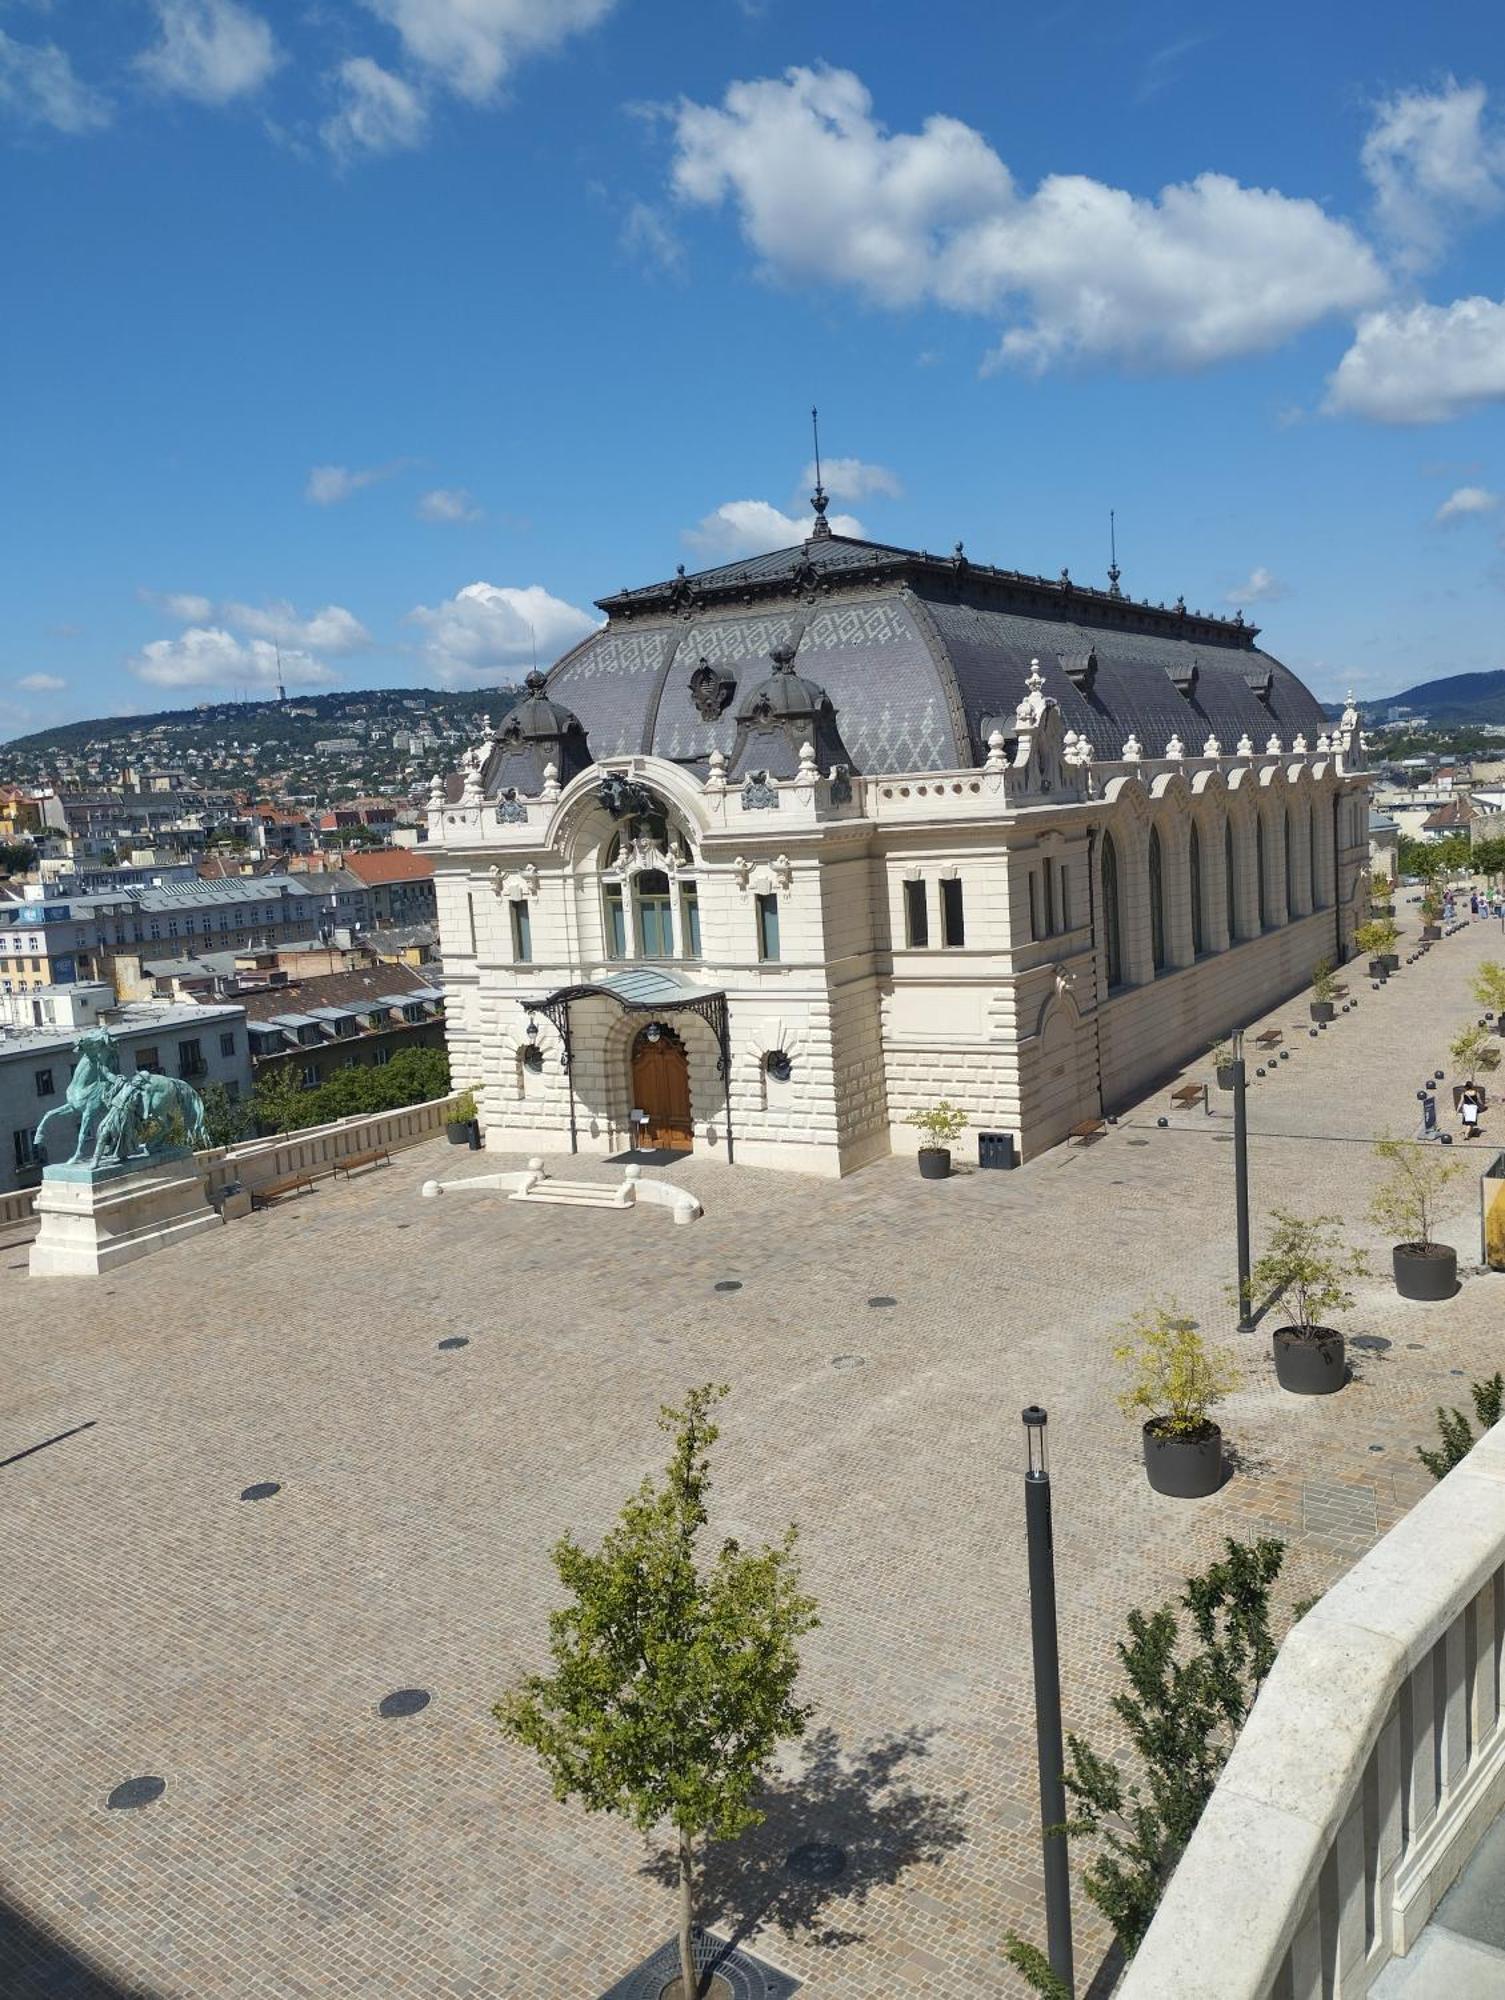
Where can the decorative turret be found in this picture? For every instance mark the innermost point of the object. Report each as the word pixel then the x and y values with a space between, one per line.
pixel 536 733
pixel 781 714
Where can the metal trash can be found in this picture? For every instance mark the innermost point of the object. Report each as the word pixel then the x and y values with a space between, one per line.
pixel 996 1149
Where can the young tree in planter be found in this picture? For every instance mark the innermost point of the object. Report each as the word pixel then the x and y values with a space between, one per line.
pixel 1375 939
pixel 1183 1710
pixel 1406 1203
pixel 1307 1263
pixel 1457 1433
pixel 1175 1381
pixel 1488 986
pixel 1473 1048
pixel 673 1682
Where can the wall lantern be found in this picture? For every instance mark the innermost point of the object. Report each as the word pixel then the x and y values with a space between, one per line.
pixel 532 1029
pixel 653 1031
pixel 778 1065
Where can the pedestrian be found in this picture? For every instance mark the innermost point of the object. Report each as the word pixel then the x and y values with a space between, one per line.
pixel 1473 902
pixel 1468 1109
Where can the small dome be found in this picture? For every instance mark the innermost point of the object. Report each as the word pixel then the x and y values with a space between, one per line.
pixel 536 732
pixel 779 714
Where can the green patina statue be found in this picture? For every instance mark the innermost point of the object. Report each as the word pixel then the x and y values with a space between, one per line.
pixel 124 1119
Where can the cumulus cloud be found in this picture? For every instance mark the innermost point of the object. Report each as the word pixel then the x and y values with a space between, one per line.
pixel 38 86
pixel 487 630
pixel 753 527
pixel 447 503
pixel 1422 364
pixel 330 630
pixel 41 683
pixel 1433 162
pixel 1261 586
pixel 209 656
pixel 185 605
pixel 854 479
pixel 377 112
pixel 1465 501
pixel 328 485
pixel 210 50
pixel 650 238
pixel 1205 270
pixel 470 46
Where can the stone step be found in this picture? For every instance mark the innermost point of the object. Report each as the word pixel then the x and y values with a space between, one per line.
pixel 573 1194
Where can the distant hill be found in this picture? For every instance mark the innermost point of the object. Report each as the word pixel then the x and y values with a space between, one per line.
pixel 1457 698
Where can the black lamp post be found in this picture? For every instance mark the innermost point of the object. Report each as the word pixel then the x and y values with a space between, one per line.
pixel 1048 1741
pixel 1241 1183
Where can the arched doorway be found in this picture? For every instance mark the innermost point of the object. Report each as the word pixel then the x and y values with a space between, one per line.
pixel 661 1087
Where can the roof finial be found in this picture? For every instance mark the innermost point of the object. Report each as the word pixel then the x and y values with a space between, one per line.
pixel 1114 572
pixel 818 498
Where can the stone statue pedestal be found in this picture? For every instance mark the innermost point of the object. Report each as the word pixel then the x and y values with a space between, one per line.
pixel 94 1218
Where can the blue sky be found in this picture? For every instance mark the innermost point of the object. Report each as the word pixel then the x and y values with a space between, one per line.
pixel 393 332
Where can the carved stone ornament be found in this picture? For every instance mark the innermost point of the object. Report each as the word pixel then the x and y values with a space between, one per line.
pixel 716 776
pixel 1245 748
pixel 760 793
pixel 841 785
pixel 1132 749
pixel 622 797
pixel 711 690
pixel 1212 747
pixel 510 810
pixel 1175 748
pixel 512 884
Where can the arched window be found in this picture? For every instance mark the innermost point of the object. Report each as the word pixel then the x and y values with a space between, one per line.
pixel 1290 861
pixel 1113 949
pixel 1157 901
pixel 1266 921
pixel 646 869
pixel 653 909
pixel 1228 879
pixel 1194 870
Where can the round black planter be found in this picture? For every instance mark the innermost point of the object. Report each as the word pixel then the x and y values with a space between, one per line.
pixel 1186 1468
pixel 458 1131
pixel 1379 968
pixel 1431 933
pixel 1391 961
pixel 1225 1076
pixel 1322 1010
pixel 1309 1364
pixel 1425 1274
pixel 935 1163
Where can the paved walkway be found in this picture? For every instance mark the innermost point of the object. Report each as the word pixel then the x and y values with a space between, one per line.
pixel 885 1334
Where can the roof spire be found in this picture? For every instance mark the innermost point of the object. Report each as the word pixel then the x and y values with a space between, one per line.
pixel 1114 572
pixel 818 499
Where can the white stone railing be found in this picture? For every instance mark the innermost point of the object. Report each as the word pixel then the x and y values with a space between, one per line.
pixel 318 1148
pixel 1369 1768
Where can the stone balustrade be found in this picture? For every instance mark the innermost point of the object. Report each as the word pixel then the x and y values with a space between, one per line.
pixel 1370 1766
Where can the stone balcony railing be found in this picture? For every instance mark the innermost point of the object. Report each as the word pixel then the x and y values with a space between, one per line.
pixel 1370 1766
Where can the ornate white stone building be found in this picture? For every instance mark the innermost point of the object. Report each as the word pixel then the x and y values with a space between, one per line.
pixel 794 847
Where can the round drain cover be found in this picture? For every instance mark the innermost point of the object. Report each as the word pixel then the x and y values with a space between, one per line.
pixel 136 1792
pixel 262 1490
pixel 848 1360
pixel 816 1861
pixel 883 1299
pixel 404 1701
pixel 727 1285
pixel 455 1340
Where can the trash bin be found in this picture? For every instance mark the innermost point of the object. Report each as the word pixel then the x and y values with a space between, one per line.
pixel 996 1149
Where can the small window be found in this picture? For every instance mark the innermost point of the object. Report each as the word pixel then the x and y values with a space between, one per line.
pixel 25 1152
pixel 953 923
pixel 616 921
pixel 1034 905
pixel 916 916
pixel 382 1055
pixel 147 1059
pixel 44 1082
pixel 522 933
pixel 227 1045
pixel 1048 880
pixel 689 912
pixel 310 1076
pixel 768 927
pixel 1065 897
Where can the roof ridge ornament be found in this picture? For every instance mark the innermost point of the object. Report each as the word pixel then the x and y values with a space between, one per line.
pixel 818 499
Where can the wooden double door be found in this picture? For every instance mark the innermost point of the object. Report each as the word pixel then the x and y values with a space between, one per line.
pixel 661 1087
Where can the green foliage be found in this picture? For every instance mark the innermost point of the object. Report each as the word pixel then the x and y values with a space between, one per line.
pixel 16 856
pixel 226 1120
pixel 1324 980
pixel 1473 1048
pixel 1488 855
pixel 1376 937
pixel 1405 1201
pixel 1488 985
pixel 465 1109
pixel 1187 1698
pixel 1432 858
pixel 413 1076
pixel 673 1679
pixel 1457 1433
pixel 1174 1379
pixel 1307 1262
pixel 941 1125
pixel 1035 1966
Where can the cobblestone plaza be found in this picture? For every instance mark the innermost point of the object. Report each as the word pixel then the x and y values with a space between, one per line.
pixel 880 1336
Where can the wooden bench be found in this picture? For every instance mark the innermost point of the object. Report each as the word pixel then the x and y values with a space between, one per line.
pixel 272 1191
pixel 1089 1129
pixel 1270 1039
pixel 1188 1095
pixel 377 1156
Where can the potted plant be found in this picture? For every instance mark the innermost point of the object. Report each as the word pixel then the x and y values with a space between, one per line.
pixel 1174 1380
pixel 1405 1203
pixel 1473 1049
pixel 1488 988
pixel 1223 1060
pixel 1324 987
pixel 939 1128
pixel 1307 1263
pixel 1376 940
pixel 1431 914
pixel 463 1127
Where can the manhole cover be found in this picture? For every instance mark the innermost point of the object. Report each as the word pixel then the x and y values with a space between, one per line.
pixel 1139 1142
pixel 727 1285
pixel 737 1974
pixel 816 1861
pixel 848 1360
pixel 404 1701
pixel 454 1340
pixel 1372 1343
pixel 883 1300
pixel 136 1792
pixel 262 1490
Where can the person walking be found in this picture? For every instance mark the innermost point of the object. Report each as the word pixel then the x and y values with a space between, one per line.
pixel 1469 1107
pixel 1473 902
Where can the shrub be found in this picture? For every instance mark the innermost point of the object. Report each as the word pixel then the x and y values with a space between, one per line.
pixel 941 1125
pixel 1488 986
pixel 1174 1379
pixel 1324 980
pixel 1307 1263
pixel 1473 1048
pixel 1457 1433
pixel 1405 1202
pixel 1375 938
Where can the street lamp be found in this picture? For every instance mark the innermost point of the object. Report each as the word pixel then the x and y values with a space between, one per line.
pixel 1241 1183
pixel 1049 1749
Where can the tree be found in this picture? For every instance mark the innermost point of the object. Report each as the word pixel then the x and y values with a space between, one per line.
pixel 1488 855
pixel 16 857
pixel 1406 1200
pixel 1307 1263
pixel 1456 1431
pixel 1488 985
pixel 1183 1710
pixel 673 1683
pixel 226 1120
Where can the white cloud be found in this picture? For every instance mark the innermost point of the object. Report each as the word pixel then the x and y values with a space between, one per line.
pixel 208 656
pixel 328 485
pixel 448 503
pixel 753 527
pixel 648 236
pixel 211 50
pixel 378 112
pixel 1467 500
pixel 41 683
pixel 854 479
pixel 38 86
pixel 185 605
pixel 1422 364
pixel 332 630
pixel 486 630
pixel 471 45
pixel 1431 161
pixel 1261 586
pixel 1206 270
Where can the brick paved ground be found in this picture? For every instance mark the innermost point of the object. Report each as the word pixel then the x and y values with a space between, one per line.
pixel 153 1623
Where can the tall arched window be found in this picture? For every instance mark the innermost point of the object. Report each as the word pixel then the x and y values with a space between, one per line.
pixel 1157 901
pixel 1194 871
pixel 1291 858
pixel 1228 879
pixel 1266 921
pixel 1113 947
